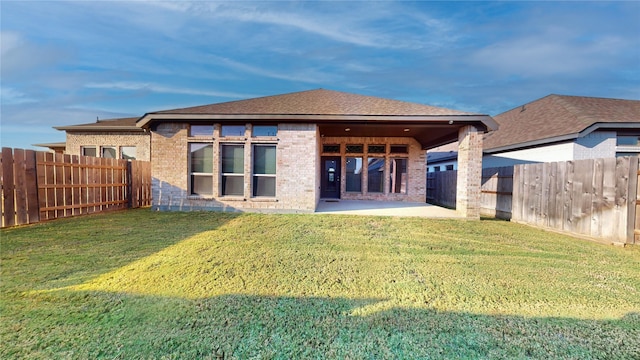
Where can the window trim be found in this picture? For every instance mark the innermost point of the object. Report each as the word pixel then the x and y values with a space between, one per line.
pixel 253 128
pixel 201 136
pixel 135 157
pixel 93 147
pixel 384 164
pixel 254 174
pixel 346 173
pixel 191 173
pixel 224 174
pixel 244 133
pixel 103 148
pixel 391 173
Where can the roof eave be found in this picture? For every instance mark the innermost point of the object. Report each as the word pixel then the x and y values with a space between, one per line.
pixel 52 145
pixel 98 128
pixel 556 139
pixel 486 120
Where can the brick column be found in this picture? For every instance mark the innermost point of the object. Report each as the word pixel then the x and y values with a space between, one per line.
pixel 469 172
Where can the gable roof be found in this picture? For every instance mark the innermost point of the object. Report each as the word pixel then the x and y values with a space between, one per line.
pixel 559 118
pixel 119 124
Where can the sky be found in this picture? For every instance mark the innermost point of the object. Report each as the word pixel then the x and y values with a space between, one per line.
pixel 65 62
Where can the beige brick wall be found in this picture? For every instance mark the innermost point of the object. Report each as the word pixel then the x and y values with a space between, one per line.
pixel 296 168
pixel 469 172
pixel 141 140
pixel 416 168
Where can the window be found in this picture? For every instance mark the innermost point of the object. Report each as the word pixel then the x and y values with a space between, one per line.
pixel 436 168
pixel 233 170
pixel 354 174
pixel 265 130
pixel 232 130
pixel 331 148
pixel 399 149
pixel 398 176
pixel 376 149
pixel 449 167
pixel 375 175
pixel 201 130
pixel 264 170
pixel 201 168
pixel 109 152
pixel 128 152
pixel 355 149
pixel 627 140
pixel 88 151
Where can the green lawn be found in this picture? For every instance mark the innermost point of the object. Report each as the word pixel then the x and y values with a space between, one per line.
pixel 142 284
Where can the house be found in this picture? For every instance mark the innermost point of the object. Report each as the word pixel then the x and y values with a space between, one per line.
pixel 110 138
pixel 286 152
pixel 556 128
pixel 55 147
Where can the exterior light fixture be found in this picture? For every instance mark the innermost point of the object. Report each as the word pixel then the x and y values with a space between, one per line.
pixel 347 129
pixel 406 130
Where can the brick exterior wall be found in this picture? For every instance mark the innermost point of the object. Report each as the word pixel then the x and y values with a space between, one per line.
pixel 469 172
pixel 298 155
pixel 416 168
pixel 296 170
pixel 117 139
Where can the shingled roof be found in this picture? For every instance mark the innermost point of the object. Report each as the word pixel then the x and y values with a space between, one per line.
pixel 559 118
pixel 334 111
pixel 317 102
pixel 119 124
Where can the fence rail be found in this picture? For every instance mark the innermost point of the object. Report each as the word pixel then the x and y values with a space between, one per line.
pixel 599 198
pixel 38 186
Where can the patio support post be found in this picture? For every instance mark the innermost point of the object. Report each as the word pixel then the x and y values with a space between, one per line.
pixel 469 172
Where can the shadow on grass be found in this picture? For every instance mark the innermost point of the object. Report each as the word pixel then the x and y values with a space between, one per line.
pixel 112 325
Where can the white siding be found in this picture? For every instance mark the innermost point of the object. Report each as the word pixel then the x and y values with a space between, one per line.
pixel 598 144
pixel 548 153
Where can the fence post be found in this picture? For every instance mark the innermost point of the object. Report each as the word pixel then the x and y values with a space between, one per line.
pixel 632 202
pixel 8 200
pixel 129 185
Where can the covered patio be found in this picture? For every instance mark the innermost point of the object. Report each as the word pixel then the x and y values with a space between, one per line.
pixel 385 208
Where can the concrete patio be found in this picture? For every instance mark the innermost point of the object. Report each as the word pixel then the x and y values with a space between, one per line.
pixel 384 208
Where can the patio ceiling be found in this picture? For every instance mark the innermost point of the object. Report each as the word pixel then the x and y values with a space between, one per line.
pixel 428 135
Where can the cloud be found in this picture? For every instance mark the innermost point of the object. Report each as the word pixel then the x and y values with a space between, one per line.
pixel 20 56
pixel 546 55
pixel 355 25
pixel 10 96
pixel 136 86
pixel 307 74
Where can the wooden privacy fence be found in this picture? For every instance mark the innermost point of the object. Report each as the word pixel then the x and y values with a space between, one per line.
pixel 599 198
pixel 38 186
pixel 495 196
pixel 594 197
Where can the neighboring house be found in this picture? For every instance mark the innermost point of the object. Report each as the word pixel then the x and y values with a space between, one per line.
pixel 110 138
pixel 443 158
pixel 56 147
pixel 557 128
pixel 286 152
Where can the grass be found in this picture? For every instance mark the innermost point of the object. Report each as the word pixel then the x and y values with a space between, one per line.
pixel 142 284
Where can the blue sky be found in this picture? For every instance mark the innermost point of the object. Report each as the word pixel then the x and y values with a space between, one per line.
pixel 70 62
